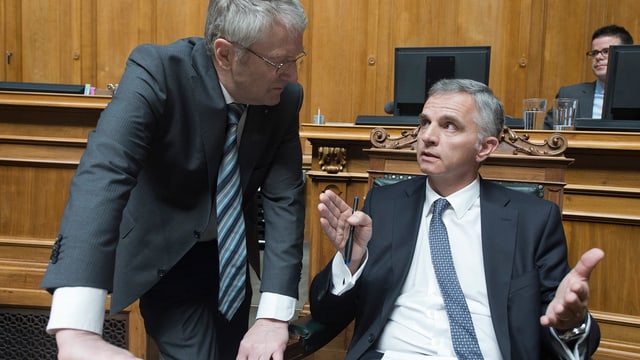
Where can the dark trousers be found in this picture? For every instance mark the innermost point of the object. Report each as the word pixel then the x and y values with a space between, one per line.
pixel 180 312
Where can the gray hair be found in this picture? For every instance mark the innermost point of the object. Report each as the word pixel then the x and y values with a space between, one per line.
pixel 490 114
pixel 246 21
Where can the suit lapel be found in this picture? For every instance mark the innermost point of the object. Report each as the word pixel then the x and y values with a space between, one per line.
pixel 499 224
pixel 407 213
pixel 212 119
pixel 585 101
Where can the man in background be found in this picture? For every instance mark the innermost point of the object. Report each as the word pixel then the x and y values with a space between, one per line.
pixel 591 94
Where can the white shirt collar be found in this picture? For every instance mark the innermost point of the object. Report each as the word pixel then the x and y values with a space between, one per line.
pixel 461 201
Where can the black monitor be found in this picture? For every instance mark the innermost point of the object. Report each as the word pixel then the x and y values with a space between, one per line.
pixel 622 88
pixel 417 68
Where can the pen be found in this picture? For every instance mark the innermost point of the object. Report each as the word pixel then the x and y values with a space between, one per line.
pixel 349 245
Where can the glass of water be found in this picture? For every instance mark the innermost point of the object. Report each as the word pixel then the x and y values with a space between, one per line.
pixel 535 110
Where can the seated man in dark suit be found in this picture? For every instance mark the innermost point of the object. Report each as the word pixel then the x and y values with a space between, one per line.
pixel 591 94
pixel 450 265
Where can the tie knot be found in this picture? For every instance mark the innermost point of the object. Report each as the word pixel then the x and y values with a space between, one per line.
pixel 439 206
pixel 235 111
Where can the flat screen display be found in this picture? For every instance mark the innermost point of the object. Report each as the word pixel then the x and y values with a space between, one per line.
pixel 416 69
pixel 622 88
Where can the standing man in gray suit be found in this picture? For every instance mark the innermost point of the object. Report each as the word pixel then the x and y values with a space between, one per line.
pixel 508 253
pixel 591 94
pixel 141 220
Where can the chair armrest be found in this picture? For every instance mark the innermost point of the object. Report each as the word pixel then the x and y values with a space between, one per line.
pixel 307 335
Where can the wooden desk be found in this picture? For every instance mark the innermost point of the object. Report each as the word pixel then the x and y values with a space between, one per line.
pixel 42 137
pixel 601 208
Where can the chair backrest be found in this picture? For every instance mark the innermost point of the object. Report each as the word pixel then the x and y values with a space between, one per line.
pixel 519 164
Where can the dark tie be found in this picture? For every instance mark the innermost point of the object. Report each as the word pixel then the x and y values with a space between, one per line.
pixel 463 335
pixel 232 248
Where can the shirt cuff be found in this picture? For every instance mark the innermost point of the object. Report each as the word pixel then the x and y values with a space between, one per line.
pixel 341 276
pixel 77 308
pixel 276 306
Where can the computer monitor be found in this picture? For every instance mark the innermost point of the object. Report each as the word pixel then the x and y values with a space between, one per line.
pixel 622 88
pixel 418 68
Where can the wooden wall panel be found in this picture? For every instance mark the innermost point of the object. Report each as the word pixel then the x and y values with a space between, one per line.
pixel 176 19
pixel 3 47
pixel 34 193
pixel 120 26
pixel 50 41
pixel 337 58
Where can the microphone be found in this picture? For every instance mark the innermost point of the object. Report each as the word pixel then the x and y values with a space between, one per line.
pixel 389 107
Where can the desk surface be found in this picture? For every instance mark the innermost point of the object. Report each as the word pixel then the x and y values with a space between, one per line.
pixel 14 98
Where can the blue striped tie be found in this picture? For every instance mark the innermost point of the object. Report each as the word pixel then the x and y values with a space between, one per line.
pixel 463 335
pixel 232 248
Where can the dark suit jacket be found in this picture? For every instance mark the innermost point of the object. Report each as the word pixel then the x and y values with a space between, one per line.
pixel 144 191
pixel 524 254
pixel 584 92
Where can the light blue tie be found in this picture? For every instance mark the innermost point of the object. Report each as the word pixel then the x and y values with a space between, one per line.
pixel 232 248
pixel 463 334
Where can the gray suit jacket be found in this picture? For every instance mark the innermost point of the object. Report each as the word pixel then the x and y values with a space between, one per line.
pixel 524 252
pixel 584 92
pixel 144 191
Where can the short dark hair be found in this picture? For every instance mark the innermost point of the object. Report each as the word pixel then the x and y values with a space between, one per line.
pixel 614 30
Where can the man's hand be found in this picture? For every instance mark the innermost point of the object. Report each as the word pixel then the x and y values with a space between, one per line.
pixel 336 217
pixel 568 309
pixel 267 339
pixel 85 345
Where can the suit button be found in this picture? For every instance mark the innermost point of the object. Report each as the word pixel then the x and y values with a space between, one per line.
pixel 196 235
pixel 162 272
pixel 371 338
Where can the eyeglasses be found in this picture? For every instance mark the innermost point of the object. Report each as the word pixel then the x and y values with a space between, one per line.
pixel 277 66
pixel 594 53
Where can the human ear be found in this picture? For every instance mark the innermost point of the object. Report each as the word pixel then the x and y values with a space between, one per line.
pixel 487 146
pixel 223 53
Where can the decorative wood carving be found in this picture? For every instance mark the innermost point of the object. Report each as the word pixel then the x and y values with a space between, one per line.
pixel 510 142
pixel 380 138
pixel 332 159
pixel 554 145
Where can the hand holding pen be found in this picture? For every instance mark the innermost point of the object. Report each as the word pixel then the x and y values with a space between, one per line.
pixel 338 221
pixel 348 248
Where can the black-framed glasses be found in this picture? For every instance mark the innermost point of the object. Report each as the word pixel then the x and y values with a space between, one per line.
pixel 277 66
pixel 594 53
